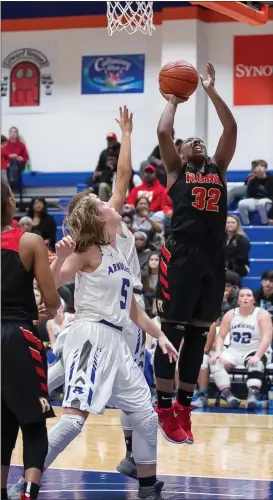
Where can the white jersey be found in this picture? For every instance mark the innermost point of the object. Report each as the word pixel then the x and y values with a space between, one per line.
pixel 245 331
pixel 106 293
pixel 127 246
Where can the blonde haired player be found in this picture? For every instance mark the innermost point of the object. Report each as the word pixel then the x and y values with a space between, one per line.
pixel 93 224
pixel 250 330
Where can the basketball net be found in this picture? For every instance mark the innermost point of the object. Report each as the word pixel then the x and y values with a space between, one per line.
pixel 130 16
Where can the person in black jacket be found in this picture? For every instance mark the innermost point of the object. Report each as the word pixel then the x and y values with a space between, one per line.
pixel 42 223
pixel 102 179
pixel 237 247
pixel 258 195
pixel 264 296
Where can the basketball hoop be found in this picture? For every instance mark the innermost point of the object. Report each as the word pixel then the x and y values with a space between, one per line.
pixel 130 16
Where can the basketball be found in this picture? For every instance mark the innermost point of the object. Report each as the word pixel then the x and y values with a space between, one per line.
pixel 179 78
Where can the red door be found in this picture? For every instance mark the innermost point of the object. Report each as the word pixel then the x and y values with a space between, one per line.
pixel 25 85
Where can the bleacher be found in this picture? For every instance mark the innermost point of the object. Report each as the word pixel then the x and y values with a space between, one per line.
pixel 59 187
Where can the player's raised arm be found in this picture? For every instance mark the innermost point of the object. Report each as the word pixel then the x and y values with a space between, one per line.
pixel 124 168
pixel 227 143
pixel 67 262
pixel 169 154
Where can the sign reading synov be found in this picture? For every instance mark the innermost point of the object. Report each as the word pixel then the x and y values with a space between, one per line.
pixel 253 70
pixel 116 74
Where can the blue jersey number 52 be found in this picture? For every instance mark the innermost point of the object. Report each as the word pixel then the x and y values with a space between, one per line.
pixel 124 294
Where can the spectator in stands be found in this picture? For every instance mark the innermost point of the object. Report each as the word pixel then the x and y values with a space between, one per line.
pixel 16 149
pixel 107 165
pixel 264 296
pixel 240 191
pixel 17 159
pixel 155 160
pixel 4 157
pixel 237 247
pixel 25 223
pixel 144 220
pixel 150 188
pixel 42 223
pixel 143 252
pixel 150 284
pixel 258 195
pixel 231 292
pixel 128 219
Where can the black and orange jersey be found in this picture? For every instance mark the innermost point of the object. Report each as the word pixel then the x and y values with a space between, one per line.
pixel 17 295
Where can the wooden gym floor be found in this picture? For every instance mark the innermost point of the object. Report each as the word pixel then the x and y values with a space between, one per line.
pixel 232 458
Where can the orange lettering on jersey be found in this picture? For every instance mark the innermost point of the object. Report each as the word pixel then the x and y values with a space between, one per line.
pixel 214 179
pixel 190 178
pixel 200 178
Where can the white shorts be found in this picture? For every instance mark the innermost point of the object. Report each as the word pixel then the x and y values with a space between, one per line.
pixel 135 338
pixel 100 370
pixel 59 344
pixel 237 357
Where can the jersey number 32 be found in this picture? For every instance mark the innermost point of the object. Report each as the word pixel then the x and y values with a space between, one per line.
pixel 206 199
pixel 243 338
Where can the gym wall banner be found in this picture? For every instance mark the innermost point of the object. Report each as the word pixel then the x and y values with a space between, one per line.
pixel 253 70
pixel 114 74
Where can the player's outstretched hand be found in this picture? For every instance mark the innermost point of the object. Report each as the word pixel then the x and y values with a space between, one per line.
pixel 172 98
pixel 167 348
pixel 209 82
pixel 216 358
pixel 65 247
pixel 125 120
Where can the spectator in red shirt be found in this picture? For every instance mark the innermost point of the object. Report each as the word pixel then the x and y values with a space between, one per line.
pixel 167 205
pixel 16 149
pixel 150 189
pixel 4 156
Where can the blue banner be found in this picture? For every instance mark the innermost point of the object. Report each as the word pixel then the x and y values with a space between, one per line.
pixel 121 74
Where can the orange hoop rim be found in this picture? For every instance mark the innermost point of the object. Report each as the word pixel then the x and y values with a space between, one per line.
pixel 238 11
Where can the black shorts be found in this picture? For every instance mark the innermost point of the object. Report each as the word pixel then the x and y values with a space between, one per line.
pixel 24 373
pixel 191 283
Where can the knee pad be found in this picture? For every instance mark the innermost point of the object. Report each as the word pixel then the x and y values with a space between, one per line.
pixel 220 375
pixel 144 442
pixel 254 379
pixel 62 434
pixel 35 445
pixel 162 367
pixel 192 353
pixel 125 421
pixel 205 363
pixel 255 373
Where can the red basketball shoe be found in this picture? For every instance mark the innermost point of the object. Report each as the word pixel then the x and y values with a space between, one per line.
pixel 183 415
pixel 169 425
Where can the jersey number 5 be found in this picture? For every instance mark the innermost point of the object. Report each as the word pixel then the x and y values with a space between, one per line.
pixel 124 294
pixel 206 199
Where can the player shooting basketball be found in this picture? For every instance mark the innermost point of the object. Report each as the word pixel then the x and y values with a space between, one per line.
pixel 192 267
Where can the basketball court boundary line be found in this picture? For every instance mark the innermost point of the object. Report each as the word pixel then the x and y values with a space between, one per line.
pixel 132 490
pixel 160 474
